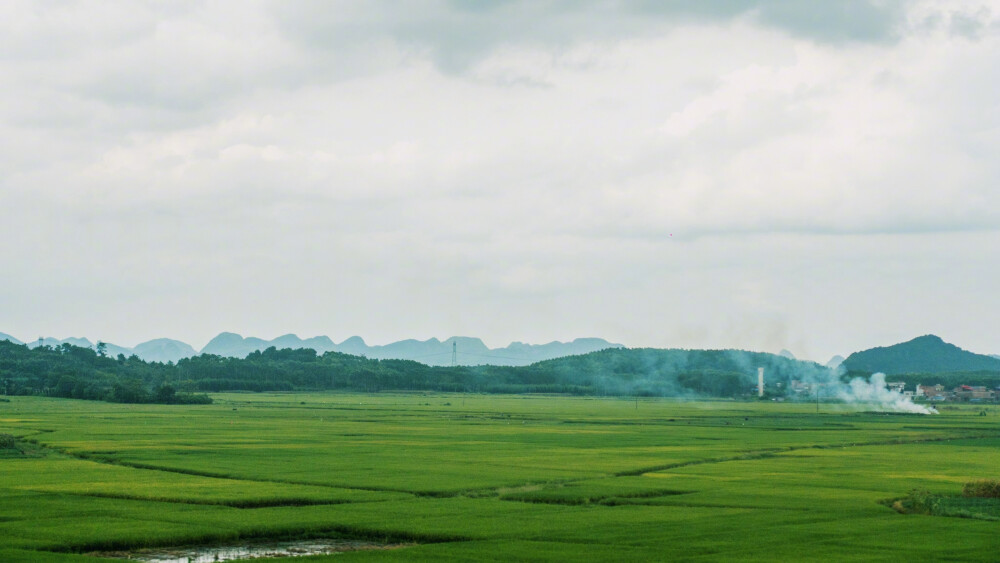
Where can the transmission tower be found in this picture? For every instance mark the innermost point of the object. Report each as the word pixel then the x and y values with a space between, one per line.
pixel 454 353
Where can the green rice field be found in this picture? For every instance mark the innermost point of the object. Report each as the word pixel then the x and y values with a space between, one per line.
pixel 493 478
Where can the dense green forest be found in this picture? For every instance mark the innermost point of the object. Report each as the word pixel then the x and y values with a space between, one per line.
pixel 83 373
pixel 70 371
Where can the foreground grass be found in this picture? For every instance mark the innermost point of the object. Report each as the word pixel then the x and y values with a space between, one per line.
pixel 489 478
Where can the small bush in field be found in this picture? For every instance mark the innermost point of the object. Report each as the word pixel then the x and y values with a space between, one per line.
pixel 7 441
pixel 986 488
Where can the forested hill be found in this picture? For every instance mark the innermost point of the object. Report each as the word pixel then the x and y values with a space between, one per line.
pixel 76 372
pixel 81 373
pixel 925 354
pixel 673 372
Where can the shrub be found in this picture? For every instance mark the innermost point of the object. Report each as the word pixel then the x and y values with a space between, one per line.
pixel 985 488
pixel 918 502
pixel 7 442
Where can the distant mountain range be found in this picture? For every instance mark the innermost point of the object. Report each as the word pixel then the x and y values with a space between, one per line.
pixel 10 338
pixel 835 362
pixel 434 352
pixel 467 351
pixel 163 350
pixel 159 350
pixel 925 354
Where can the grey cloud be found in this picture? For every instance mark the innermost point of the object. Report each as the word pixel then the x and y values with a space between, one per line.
pixel 189 57
pixel 973 25
pixel 845 20
pixel 968 26
pixel 861 20
pixel 968 21
pixel 458 33
pixel 38 32
pixel 321 173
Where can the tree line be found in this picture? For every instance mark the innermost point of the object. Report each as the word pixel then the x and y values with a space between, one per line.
pixel 83 373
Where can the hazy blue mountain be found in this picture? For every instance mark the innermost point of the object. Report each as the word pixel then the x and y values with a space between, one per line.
pixel 232 345
pixel 319 343
pixel 410 349
pixel 995 356
pixel 54 342
pixel 835 362
pixel 434 352
pixel 519 353
pixel 468 350
pixel 164 350
pixel 287 341
pixel 472 351
pixel 10 338
pixel 787 354
pixel 112 350
pixel 925 354
pixel 252 344
pixel 354 346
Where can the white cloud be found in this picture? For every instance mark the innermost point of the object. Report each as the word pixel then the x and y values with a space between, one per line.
pixel 672 181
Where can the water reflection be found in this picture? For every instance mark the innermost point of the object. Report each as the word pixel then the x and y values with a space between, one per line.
pixel 211 554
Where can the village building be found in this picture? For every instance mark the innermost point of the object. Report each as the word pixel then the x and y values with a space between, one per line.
pixel 798 386
pixel 933 392
pixel 978 393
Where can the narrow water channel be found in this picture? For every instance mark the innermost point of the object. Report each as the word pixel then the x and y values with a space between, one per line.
pixel 211 554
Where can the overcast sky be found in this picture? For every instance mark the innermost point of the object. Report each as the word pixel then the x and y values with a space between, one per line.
pixel 817 176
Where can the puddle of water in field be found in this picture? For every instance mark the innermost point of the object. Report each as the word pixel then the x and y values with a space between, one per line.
pixel 211 554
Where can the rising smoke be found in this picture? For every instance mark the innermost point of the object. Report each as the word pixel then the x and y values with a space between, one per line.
pixel 872 393
pixel 875 392
pixel 696 374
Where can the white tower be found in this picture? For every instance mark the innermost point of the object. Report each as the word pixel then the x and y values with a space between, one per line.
pixel 760 382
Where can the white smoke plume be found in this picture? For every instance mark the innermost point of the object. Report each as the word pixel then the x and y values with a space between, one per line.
pixel 875 392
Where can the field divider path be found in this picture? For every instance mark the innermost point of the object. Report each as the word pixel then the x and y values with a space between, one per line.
pixel 266 503
pixel 101 459
pixel 485 492
pixel 772 452
pixel 745 456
